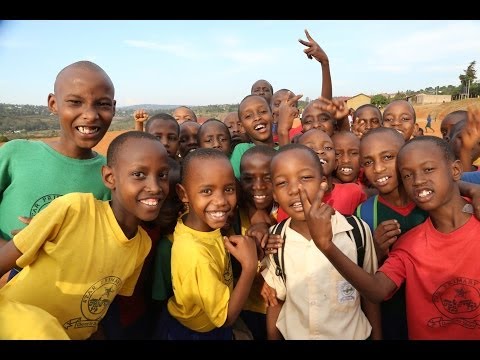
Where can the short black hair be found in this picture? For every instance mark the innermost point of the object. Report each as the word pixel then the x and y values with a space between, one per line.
pixel 212 120
pixel 364 106
pixel 261 149
pixel 384 130
pixel 202 154
pixel 406 102
pixel 441 144
pixel 290 147
pixel 117 143
pixel 161 117
pixel 269 85
pixel 247 97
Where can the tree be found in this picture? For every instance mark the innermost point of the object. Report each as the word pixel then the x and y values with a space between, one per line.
pixel 469 76
pixel 379 100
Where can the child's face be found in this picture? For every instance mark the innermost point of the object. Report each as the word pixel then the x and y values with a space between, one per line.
pixel 182 114
pixel 288 170
pixel 215 135
pixel 456 143
pixel 138 181
pixel 256 182
pixel 166 132
pixel 277 99
pixel 262 88
pixel 347 154
pixel 371 117
pixel 322 144
pixel 188 138
pixel 378 156
pixel 234 125
pixel 448 122
pixel 399 115
pixel 85 105
pixel 210 193
pixel 428 178
pixel 256 118
pixel 315 118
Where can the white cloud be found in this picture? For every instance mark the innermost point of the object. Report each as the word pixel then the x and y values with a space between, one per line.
pixel 181 50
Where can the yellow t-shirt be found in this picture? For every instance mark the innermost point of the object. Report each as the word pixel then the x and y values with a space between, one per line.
pixel 202 278
pixel 37 324
pixel 76 258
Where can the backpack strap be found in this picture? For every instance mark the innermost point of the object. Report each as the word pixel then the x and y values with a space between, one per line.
pixel 358 234
pixel 279 230
pixel 367 211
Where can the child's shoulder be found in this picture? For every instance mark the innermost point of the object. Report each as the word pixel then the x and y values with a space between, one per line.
pixel 21 145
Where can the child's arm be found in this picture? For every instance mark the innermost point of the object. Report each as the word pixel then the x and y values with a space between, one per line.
pixel 374 316
pixel 287 112
pixel 140 116
pixel 8 257
pixel 243 248
pixel 314 50
pixel 318 216
pixel 339 111
pixel 473 192
pixel 272 315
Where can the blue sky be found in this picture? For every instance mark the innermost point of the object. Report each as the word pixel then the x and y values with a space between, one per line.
pixel 201 62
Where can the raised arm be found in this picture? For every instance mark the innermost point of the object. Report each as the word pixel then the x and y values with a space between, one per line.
pixel 140 116
pixel 318 216
pixel 314 50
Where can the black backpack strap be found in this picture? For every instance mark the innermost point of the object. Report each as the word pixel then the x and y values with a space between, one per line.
pixel 359 234
pixel 279 270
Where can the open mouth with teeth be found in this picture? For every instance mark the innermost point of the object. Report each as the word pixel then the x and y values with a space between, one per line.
pixel 424 195
pixel 346 170
pixel 260 127
pixel 382 180
pixel 218 215
pixel 323 161
pixel 88 130
pixel 150 202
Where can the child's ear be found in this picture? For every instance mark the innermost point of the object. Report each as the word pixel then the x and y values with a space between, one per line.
pixel 52 103
pixel 108 177
pixel 182 194
pixel 457 170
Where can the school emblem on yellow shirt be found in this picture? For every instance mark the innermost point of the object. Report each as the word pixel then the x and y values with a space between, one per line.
pixel 95 302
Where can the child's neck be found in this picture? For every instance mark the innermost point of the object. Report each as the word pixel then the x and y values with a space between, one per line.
pixel 450 217
pixel 301 227
pixel 397 197
pixel 268 142
pixel 70 150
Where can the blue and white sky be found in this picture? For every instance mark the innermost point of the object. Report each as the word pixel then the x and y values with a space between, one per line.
pixel 201 62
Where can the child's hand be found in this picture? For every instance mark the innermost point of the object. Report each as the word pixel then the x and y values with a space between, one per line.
pixel 384 236
pixel 313 50
pixel 470 134
pixel 318 216
pixel 243 248
pixel 23 219
pixel 140 115
pixel 259 232
pixel 274 242
pixel 287 112
pixel 269 294
pixel 358 127
pixel 337 108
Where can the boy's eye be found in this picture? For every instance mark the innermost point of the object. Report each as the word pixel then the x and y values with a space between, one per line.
pixel 138 174
pixel 367 163
pixel 172 138
pixel 280 183
pixel 406 176
pixel 428 170
pixel 206 191
pixel 387 120
pixel 230 190
pixel 307 177
pixel 388 157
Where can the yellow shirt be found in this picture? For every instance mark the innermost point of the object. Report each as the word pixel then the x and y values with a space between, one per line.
pixel 76 258
pixel 202 278
pixel 36 324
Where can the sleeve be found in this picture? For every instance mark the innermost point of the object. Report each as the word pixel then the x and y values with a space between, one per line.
pixel 471 177
pixel 272 279
pixel 394 268
pixel 43 229
pixel 236 157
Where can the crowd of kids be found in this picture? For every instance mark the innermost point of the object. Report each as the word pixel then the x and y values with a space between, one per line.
pixel 271 223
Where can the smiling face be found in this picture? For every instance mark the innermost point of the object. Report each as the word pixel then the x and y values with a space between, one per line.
pixel 256 118
pixel 167 132
pixel 347 154
pixel 400 115
pixel 288 170
pixel 85 105
pixel 315 118
pixel 322 144
pixel 378 156
pixel 139 182
pixel 428 177
pixel 209 189
pixel 255 180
